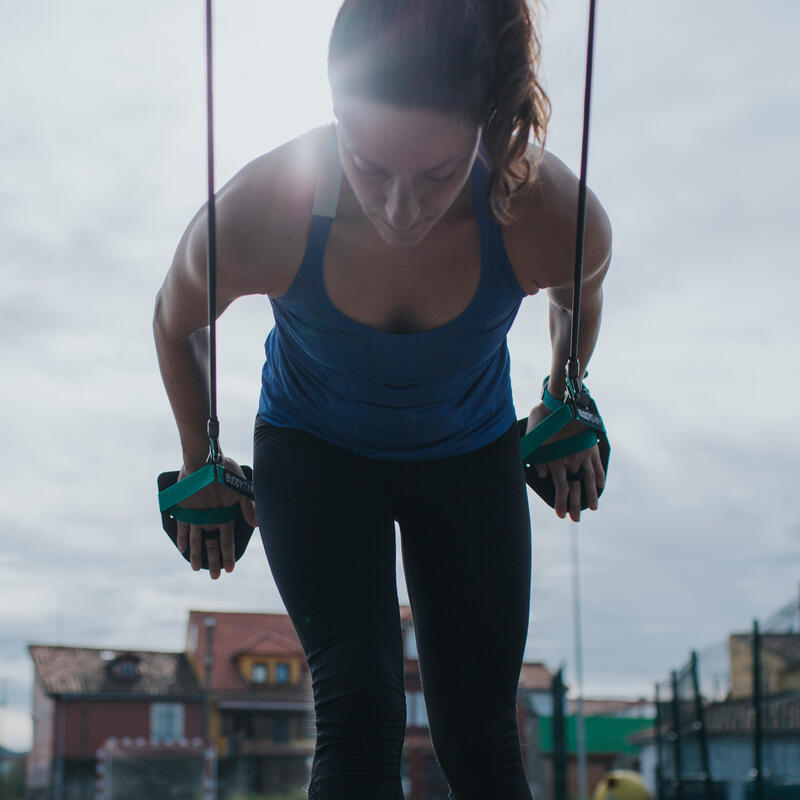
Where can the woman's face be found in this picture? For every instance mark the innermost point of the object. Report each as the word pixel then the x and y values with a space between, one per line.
pixel 406 166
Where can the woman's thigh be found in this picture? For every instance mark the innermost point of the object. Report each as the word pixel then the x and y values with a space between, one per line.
pixel 328 533
pixel 465 529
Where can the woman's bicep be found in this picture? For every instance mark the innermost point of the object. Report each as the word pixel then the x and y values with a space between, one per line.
pixel 182 301
pixel 596 257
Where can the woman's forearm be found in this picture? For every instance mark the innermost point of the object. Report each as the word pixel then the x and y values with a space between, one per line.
pixel 184 370
pixel 560 333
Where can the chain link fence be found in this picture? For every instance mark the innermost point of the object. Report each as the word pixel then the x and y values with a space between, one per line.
pixel 728 721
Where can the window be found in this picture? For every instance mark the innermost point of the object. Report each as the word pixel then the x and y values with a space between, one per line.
pixel 282 673
pixel 281 729
pixel 125 666
pixel 260 673
pixel 166 721
pixel 416 712
pixel 411 643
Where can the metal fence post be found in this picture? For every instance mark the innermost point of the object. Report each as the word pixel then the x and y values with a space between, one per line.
pixel 700 727
pixel 659 745
pixel 757 729
pixel 559 733
pixel 676 734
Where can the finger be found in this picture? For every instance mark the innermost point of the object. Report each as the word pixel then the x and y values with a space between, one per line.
pixel 600 473
pixel 213 551
pixel 575 501
pixel 561 484
pixel 541 469
pixel 590 484
pixel 227 539
pixel 196 547
pixel 249 511
pixel 183 536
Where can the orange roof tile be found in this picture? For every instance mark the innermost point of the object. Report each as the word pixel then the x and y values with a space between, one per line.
pixel 534 675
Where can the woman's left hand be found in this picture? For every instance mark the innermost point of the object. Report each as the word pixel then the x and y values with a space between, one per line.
pixel 568 491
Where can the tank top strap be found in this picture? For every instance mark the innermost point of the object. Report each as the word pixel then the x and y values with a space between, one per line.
pixel 307 282
pixel 495 257
pixel 329 178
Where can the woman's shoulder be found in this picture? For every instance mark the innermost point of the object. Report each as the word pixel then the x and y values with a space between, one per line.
pixel 541 241
pixel 263 214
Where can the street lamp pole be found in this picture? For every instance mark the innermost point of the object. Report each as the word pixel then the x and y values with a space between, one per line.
pixel 209 760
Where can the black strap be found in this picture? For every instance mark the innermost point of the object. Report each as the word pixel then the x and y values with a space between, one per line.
pixel 212 427
pixel 573 366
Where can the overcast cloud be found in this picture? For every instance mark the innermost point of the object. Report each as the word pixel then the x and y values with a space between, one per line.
pixel 696 121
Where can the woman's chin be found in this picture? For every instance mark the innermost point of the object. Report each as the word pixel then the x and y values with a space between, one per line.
pixel 407 238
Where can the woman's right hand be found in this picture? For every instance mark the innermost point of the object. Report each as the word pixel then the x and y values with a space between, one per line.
pixel 220 550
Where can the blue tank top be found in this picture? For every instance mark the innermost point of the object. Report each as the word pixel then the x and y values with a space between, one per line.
pixel 383 395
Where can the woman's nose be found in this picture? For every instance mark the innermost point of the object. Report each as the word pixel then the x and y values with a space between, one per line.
pixel 402 206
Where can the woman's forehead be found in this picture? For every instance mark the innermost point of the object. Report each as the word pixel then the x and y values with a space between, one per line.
pixel 400 139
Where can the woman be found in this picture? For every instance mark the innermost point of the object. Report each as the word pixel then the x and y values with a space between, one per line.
pixel 396 247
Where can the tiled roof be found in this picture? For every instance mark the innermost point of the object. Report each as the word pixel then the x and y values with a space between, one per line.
pixel 268 643
pixel 86 671
pixel 238 632
pixel 599 707
pixel 536 676
pixel 781 715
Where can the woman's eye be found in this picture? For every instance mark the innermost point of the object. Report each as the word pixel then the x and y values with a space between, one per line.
pixel 367 172
pixel 440 178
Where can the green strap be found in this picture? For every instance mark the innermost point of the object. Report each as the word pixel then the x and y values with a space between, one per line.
pixel 563 447
pixel 186 487
pixel 205 516
pixel 544 430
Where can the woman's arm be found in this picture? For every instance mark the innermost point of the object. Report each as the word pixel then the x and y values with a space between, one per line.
pixel 261 218
pixel 541 246
pixel 596 261
pixel 261 215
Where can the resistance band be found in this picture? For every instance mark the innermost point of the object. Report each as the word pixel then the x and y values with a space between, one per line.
pixel 171 491
pixel 577 403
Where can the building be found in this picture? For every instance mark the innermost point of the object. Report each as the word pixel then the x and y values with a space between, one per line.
pixel 82 696
pixel 780 663
pixel 261 708
pixel 608 726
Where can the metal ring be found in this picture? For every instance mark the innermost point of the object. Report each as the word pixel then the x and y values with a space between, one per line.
pixel 576 476
pixel 210 534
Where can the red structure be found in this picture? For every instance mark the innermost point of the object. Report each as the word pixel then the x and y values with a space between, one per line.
pixel 83 696
pixel 261 702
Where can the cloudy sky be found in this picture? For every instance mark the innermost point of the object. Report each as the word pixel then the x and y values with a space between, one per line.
pixel 696 122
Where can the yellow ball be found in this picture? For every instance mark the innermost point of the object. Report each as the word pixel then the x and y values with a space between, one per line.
pixel 621 784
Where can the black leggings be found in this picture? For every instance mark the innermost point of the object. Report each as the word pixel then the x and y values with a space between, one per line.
pixel 327 519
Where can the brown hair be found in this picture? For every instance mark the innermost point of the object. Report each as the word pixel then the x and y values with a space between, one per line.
pixel 477 58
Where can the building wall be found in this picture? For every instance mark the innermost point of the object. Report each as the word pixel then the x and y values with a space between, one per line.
pixel 85 724
pixel 40 757
pixel 776 678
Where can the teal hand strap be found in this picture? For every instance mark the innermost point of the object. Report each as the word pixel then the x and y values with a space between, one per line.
pixel 544 430
pixel 205 516
pixel 564 447
pixel 205 476
pixel 186 487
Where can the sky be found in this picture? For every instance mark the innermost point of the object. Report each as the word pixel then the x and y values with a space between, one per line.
pixel 695 124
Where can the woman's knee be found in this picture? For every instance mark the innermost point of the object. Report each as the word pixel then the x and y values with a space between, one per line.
pixel 357 676
pixel 360 707
pixel 482 757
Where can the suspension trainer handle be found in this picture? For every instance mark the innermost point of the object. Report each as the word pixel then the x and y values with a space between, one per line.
pixel 577 403
pixel 171 490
